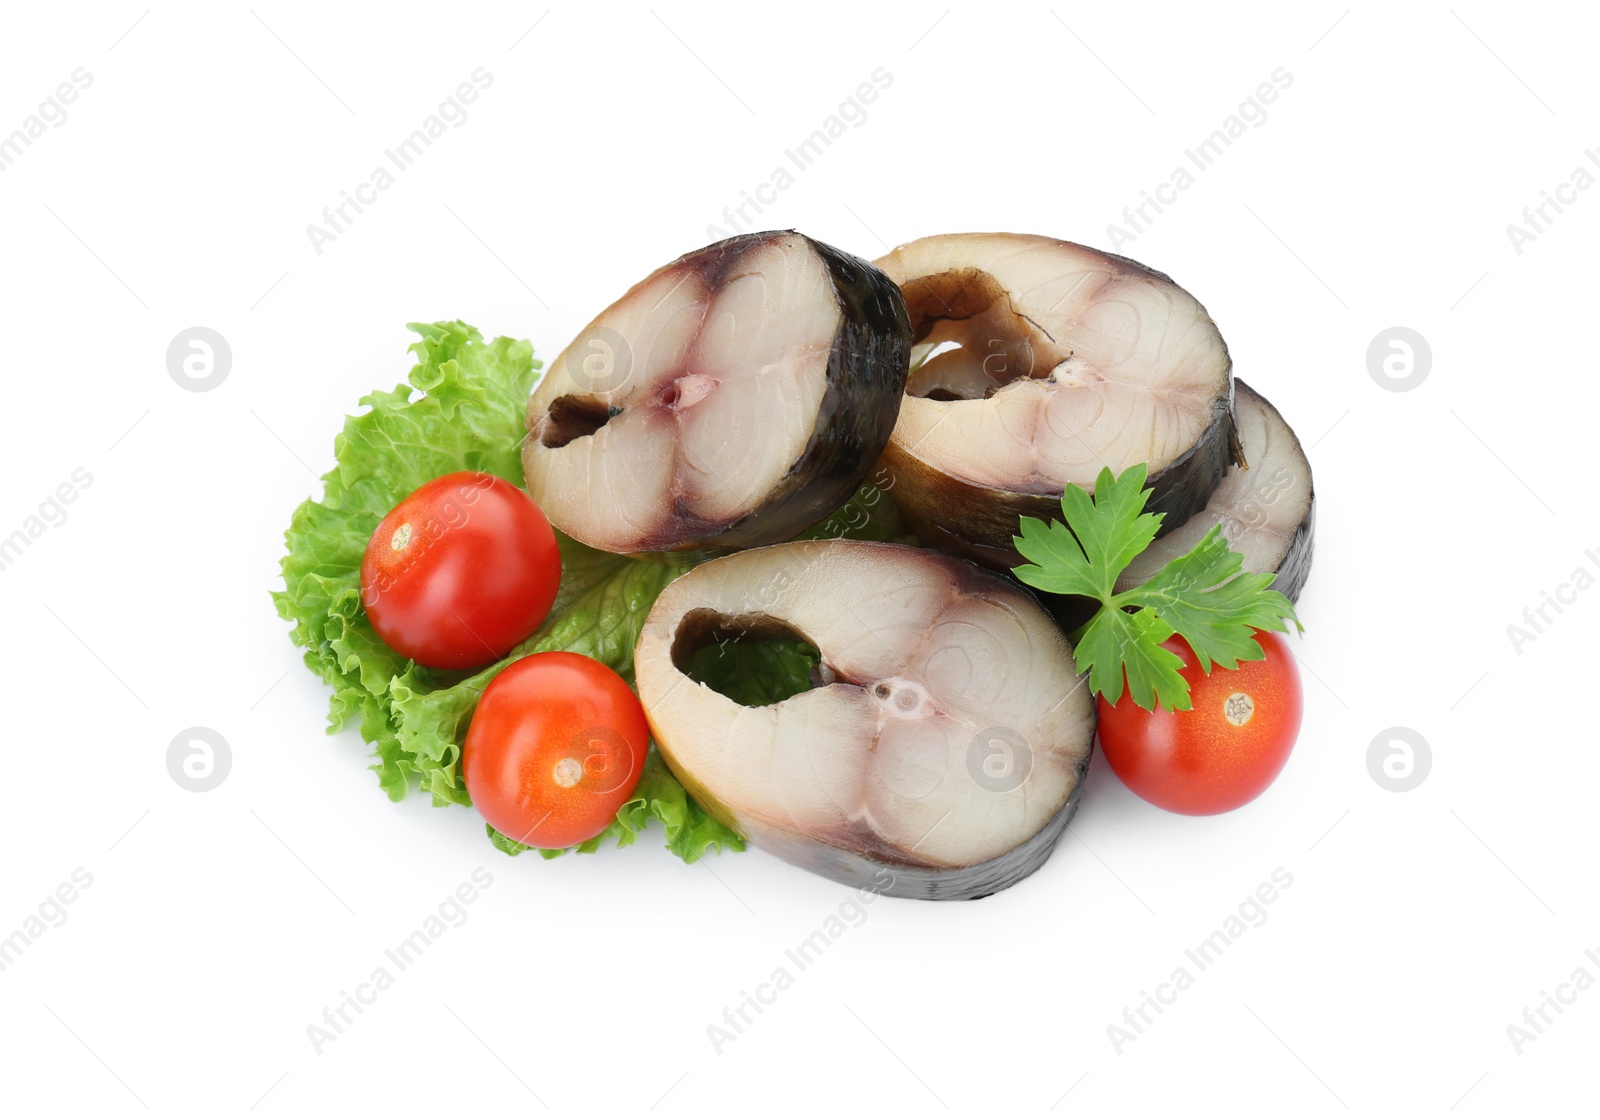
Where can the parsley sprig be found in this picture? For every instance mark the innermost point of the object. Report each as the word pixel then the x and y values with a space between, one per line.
pixel 1204 596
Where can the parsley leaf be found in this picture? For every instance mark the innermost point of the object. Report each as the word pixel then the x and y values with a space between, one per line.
pixel 1204 596
pixel 1107 532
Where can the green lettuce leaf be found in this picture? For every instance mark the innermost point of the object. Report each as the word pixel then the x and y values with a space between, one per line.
pixel 461 409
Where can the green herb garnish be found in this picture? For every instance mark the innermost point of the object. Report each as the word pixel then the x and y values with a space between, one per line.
pixel 1204 596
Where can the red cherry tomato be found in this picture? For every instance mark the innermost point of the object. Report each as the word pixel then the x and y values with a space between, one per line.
pixel 555 748
pixel 460 571
pixel 1223 752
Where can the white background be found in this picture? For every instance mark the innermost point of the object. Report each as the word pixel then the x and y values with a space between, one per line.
pixel 219 926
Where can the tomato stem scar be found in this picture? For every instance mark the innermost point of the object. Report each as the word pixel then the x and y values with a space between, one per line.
pixel 567 772
pixel 1239 707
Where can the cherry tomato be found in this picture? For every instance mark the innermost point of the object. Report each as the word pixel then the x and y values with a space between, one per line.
pixel 460 571
pixel 555 748
pixel 1223 752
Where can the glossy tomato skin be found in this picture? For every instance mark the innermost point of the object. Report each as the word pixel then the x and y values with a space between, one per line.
pixel 555 748
pixel 1223 752
pixel 460 571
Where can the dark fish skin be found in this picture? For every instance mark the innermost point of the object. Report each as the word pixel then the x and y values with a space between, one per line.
pixel 1183 487
pixel 896 879
pixel 866 380
pixel 978 523
pixel 1296 566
